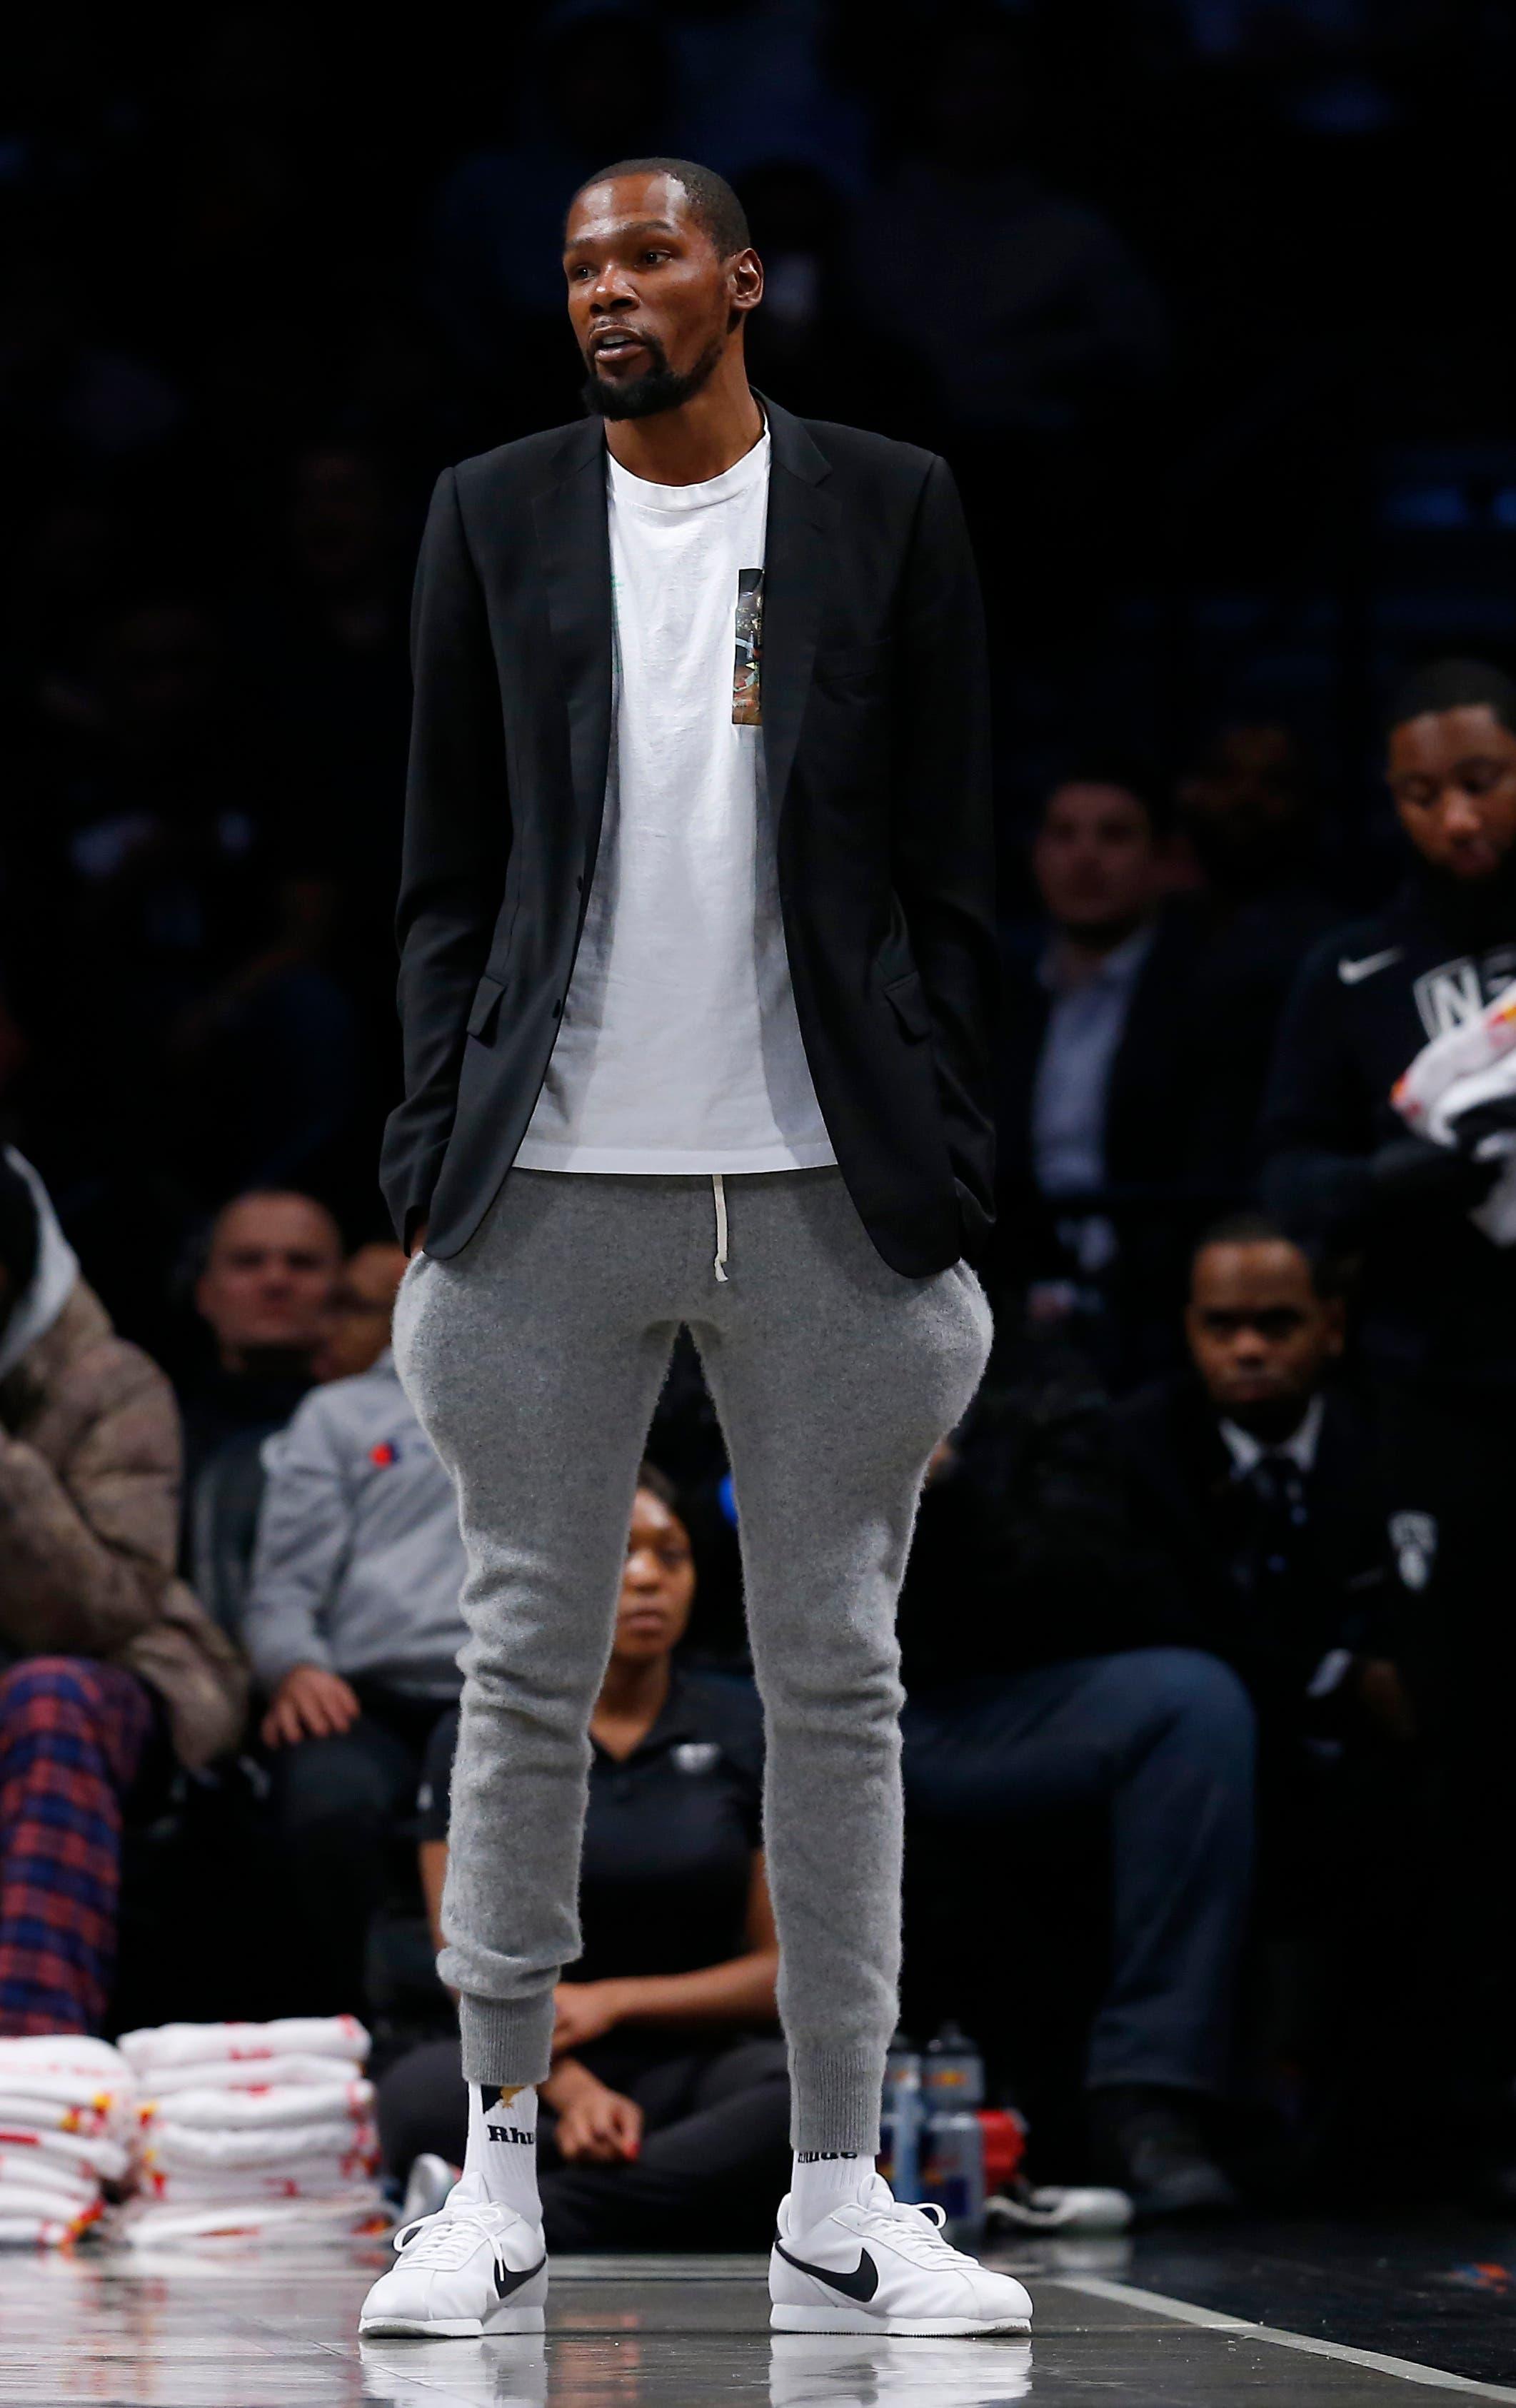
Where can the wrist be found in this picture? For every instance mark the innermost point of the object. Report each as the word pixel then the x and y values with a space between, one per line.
pixel 569 2080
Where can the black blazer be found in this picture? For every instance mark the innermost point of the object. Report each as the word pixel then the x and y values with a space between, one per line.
pixel 1186 1502
pixel 876 745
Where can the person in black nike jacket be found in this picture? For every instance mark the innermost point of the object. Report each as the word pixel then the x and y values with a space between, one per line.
pixel 1438 1296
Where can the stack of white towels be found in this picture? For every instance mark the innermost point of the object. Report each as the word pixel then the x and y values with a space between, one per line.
pixel 246 2128
pixel 67 2127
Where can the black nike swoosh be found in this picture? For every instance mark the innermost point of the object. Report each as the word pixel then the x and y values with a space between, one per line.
pixel 506 2281
pixel 861 2284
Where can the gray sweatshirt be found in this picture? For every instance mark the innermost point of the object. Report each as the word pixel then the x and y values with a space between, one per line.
pixel 358 1563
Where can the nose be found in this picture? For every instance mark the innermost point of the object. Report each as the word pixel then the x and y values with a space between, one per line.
pixel 609 291
pixel 1460 813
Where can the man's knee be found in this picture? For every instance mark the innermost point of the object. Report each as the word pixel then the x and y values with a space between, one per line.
pixel 1198 1697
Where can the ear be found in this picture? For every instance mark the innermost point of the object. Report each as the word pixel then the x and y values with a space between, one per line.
pixel 745 281
pixel 1337 1326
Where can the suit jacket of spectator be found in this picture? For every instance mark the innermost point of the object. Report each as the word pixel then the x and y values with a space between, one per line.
pixel 1439 1297
pixel 358 1565
pixel 1189 1510
pixel 1187 1075
pixel 876 750
pixel 89 1525
pixel 1144 1099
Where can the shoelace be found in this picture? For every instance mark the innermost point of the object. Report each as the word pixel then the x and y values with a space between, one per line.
pixel 916 2232
pixel 446 2239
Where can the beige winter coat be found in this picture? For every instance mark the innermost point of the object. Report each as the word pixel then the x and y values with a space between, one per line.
pixel 90 1456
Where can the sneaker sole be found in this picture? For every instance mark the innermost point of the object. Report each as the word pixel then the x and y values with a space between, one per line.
pixel 508 2320
pixel 855 2320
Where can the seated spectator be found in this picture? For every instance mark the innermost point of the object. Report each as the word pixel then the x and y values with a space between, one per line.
pixel 1439 1289
pixel 353 1628
pixel 264 1295
pixel 1026 1570
pixel 668 2108
pixel 1258 1478
pixel 358 1312
pixel 1256 1475
pixel 1092 1104
pixel 113 1669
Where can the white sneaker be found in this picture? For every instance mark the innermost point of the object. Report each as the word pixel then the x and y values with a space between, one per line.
pixel 472 2268
pixel 883 2268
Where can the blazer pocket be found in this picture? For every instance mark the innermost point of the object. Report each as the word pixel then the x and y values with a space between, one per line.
pixel 486 1003
pixel 846 668
pixel 909 1003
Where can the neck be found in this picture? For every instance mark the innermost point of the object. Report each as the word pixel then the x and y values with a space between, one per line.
pixel 706 436
pixel 634 1690
pixel 1081 951
pixel 1272 1425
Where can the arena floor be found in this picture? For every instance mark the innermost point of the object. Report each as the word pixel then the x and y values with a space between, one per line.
pixel 1293 2314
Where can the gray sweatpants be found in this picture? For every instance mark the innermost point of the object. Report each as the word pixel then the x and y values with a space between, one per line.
pixel 534 1359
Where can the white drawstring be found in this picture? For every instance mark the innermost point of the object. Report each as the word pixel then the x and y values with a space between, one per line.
pixel 719 1185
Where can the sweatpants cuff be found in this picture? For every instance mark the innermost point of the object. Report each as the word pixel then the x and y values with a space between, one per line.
pixel 506 2041
pixel 834 2099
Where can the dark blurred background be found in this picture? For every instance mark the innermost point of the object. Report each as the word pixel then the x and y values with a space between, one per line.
pixel 1207 302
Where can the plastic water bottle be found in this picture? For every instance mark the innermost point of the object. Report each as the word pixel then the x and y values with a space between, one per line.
pixel 953 2154
pixel 899 2131
pixel 953 2070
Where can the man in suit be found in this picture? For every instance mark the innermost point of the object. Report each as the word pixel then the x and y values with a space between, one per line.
pixel 1093 1099
pixel 697 984
pixel 1258 1480
pixel 1257 1477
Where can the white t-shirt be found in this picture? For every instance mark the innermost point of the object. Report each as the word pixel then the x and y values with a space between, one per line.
pixel 679 1049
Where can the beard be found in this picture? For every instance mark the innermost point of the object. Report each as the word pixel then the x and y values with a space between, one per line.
pixel 658 388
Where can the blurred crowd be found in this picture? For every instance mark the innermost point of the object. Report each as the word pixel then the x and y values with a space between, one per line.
pixel 1204 1639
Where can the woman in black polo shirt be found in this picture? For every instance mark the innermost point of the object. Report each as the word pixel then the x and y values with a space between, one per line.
pixel 668 2098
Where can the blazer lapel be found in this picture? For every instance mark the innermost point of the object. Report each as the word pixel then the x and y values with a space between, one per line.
pixel 574 538
pixel 798 551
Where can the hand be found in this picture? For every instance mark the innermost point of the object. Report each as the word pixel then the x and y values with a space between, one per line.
pixel 597 2124
pixel 1412 1171
pixel 418 1239
pixel 309 1703
pixel 586 2011
pixel 1383 1698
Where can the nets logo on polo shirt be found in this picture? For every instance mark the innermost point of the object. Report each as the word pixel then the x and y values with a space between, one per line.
pixel 697 1755
pixel 385 1453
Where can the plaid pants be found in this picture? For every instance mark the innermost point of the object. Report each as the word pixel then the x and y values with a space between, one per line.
pixel 72 1735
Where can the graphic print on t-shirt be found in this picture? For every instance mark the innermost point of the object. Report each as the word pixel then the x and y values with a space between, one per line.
pixel 747 668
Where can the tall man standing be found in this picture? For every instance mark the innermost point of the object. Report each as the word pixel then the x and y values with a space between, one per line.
pixel 698 977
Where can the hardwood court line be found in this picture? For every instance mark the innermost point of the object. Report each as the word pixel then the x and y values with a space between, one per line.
pixel 1187 2312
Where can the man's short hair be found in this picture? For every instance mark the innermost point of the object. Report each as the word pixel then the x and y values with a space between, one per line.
pixel 712 204
pixel 1455 685
pixel 1126 771
pixel 1255 1229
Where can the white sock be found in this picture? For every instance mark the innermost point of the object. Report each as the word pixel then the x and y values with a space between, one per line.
pixel 503 2146
pixel 820 2183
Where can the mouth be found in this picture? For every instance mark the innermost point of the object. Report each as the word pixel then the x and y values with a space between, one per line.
pixel 615 343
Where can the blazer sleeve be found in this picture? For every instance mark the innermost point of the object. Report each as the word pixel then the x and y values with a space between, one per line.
pixel 944 843
pixel 457 840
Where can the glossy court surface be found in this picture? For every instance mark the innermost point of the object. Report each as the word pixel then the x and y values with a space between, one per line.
pixel 1291 2313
